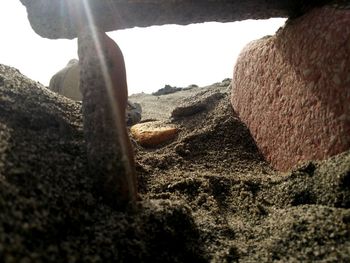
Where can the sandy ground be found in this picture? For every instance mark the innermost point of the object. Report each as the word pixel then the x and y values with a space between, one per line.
pixel 207 196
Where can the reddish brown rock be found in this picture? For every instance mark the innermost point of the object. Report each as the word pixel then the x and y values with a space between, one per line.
pixel 293 89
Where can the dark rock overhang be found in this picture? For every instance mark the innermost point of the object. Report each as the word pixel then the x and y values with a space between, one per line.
pixel 58 18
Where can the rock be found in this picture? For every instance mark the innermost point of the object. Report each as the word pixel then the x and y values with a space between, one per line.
pixel 188 110
pixel 66 83
pixel 133 113
pixel 150 134
pixel 194 105
pixel 58 19
pixel 105 99
pixel 192 86
pixel 292 89
pixel 162 107
pixel 166 90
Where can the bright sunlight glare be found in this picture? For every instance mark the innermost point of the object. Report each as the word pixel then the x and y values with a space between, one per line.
pixel 199 54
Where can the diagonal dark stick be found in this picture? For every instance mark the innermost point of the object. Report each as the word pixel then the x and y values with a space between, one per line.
pixel 104 88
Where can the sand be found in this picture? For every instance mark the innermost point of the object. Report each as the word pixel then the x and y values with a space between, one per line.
pixel 207 196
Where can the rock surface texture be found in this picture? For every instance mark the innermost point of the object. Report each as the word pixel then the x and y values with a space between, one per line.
pixel 293 89
pixel 57 19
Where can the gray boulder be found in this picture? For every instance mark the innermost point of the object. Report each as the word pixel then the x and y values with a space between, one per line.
pixel 59 19
pixel 66 81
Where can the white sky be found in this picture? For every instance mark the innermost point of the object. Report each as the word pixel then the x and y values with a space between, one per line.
pixel 199 54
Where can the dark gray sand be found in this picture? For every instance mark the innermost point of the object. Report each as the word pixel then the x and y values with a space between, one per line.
pixel 207 196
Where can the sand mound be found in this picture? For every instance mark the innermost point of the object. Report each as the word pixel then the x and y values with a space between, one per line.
pixel 207 196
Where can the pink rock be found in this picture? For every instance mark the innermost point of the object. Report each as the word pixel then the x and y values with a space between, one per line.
pixel 293 89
